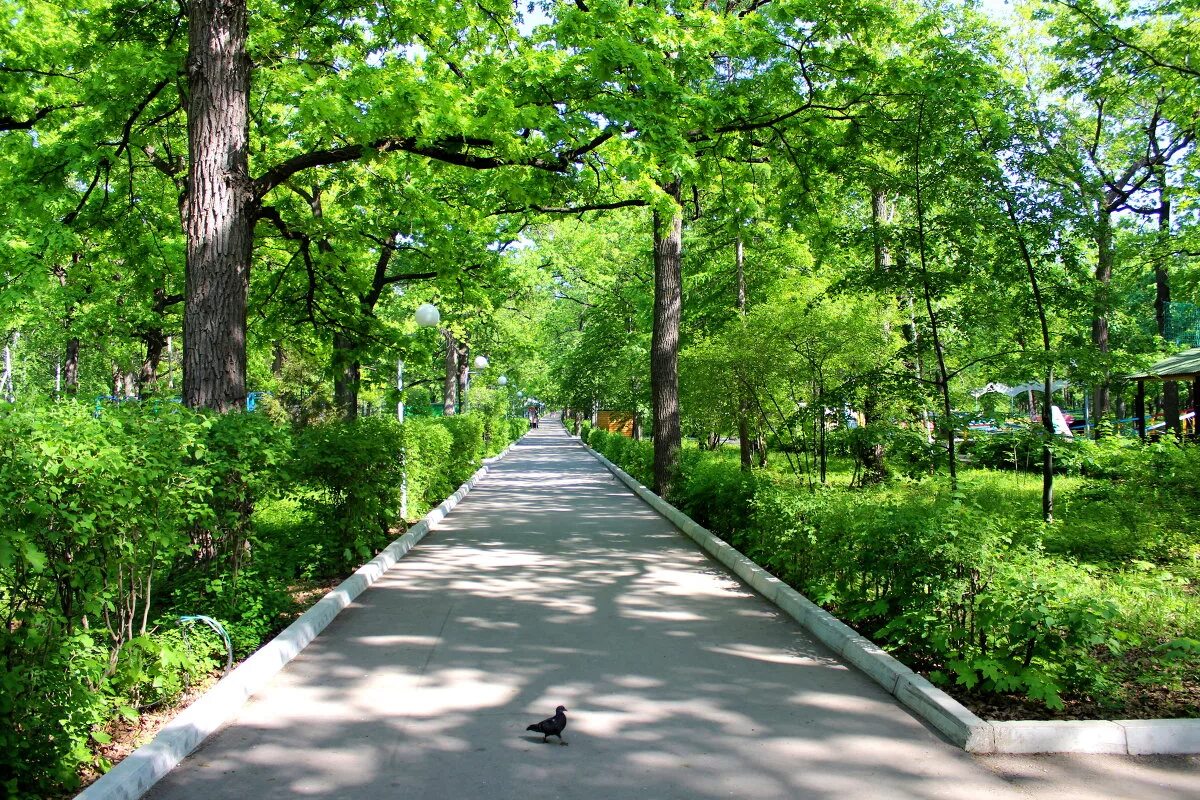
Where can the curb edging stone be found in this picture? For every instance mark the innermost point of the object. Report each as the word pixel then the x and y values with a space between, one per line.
pixel 958 723
pixel 145 766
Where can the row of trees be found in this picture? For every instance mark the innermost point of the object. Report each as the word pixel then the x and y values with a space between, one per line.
pixel 285 182
pixel 976 209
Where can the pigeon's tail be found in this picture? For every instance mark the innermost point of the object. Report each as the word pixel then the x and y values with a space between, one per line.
pixel 534 728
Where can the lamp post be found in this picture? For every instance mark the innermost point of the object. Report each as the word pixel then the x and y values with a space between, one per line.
pixel 481 363
pixel 426 315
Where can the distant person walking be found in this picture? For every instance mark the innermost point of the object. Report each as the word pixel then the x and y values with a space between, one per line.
pixel 533 417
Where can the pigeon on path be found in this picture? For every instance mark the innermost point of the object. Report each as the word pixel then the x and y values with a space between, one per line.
pixel 553 726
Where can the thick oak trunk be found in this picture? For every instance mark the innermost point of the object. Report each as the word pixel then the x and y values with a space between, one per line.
pixel 218 208
pixel 664 346
pixel 156 345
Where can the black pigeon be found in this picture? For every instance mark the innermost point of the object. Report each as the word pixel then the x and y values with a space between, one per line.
pixel 553 726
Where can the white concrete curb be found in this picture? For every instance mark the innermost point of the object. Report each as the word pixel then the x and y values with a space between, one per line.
pixel 954 720
pixel 145 766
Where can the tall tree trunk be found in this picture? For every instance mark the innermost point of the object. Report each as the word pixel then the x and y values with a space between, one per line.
pixel 277 360
pixel 872 454
pixel 450 380
pixel 464 376
pixel 218 208
pixel 1162 296
pixel 147 379
pixel 1048 382
pixel 745 445
pixel 345 376
pixel 664 345
pixel 938 350
pixel 1104 267
pixel 7 382
pixel 71 367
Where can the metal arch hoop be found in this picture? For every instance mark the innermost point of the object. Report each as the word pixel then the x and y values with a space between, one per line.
pixel 216 626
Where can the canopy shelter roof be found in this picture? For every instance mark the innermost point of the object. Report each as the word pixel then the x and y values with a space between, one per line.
pixel 1013 391
pixel 1179 367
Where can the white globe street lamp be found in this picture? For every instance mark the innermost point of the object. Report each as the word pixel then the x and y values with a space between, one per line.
pixel 481 362
pixel 427 315
pixel 502 381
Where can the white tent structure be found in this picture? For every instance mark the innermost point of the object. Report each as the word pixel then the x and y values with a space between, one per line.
pixel 1013 391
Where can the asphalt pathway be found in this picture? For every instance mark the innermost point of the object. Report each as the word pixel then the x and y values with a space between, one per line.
pixel 552 584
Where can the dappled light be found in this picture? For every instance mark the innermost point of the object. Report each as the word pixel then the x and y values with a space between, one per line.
pixel 551 584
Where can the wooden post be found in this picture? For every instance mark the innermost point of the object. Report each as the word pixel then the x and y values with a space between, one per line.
pixel 1140 409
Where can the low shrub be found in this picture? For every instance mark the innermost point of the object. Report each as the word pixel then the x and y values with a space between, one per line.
pixel 101 512
pixel 517 427
pixel 633 456
pixel 716 493
pixel 1022 450
pixel 466 449
pixel 355 469
pixel 427 457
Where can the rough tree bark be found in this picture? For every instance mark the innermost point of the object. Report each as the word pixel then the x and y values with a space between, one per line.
pixel 346 371
pixel 71 367
pixel 218 206
pixel 450 382
pixel 664 346
pixel 464 374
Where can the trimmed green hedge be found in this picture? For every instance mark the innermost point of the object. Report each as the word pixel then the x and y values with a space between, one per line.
pixel 633 456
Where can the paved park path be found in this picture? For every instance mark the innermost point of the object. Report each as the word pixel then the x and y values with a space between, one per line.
pixel 552 584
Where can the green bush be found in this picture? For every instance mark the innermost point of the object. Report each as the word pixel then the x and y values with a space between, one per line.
pixel 100 512
pixel 355 468
pixel 716 493
pixel 913 455
pixel 635 457
pixel 517 427
pixel 466 450
pixel 1022 450
pixel 427 457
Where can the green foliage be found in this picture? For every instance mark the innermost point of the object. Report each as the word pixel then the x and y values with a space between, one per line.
pixel 356 469
pixel 427 444
pixel 635 457
pixel 100 511
pixel 914 455
pixel 1021 449
pixel 517 427
pixel 717 494
pixel 466 449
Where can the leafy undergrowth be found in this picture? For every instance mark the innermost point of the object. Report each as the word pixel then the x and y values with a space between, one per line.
pixel 128 734
pixel 1096 615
